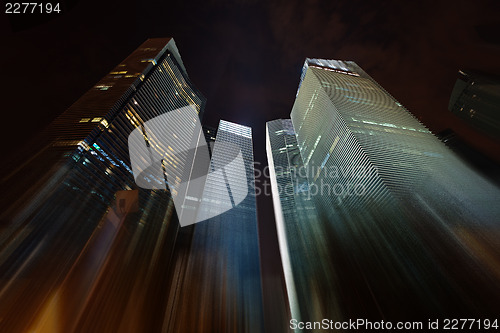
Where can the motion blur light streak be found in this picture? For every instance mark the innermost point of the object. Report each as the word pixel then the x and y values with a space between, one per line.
pixel 219 289
pixel 295 214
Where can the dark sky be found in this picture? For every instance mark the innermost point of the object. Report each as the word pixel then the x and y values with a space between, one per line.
pixel 246 56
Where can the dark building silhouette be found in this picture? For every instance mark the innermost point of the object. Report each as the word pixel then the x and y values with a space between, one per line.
pixel 476 100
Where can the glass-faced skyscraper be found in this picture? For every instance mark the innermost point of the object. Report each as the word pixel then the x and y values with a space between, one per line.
pixel 84 249
pixel 296 217
pixel 395 206
pixel 220 289
pixel 70 207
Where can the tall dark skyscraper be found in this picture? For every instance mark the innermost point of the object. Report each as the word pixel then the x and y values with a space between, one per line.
pixel 220 286
pixel 476 99
pixel 84 249
pixel 395 207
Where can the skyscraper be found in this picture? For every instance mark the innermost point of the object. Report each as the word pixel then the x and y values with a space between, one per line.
pixel 295 215
pixel 220 289
pixel 475 99
pixel 83 248
pixel 395 205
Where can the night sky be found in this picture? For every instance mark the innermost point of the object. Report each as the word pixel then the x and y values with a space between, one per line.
pixel 246 56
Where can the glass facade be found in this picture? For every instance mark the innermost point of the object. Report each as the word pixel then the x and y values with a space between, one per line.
pixel 220 290
pixel 476 98
pixel 298 225
pixel 395 206
pixel 82 247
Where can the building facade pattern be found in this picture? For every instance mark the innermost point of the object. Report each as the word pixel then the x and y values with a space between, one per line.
pixel 82 248
pixel 221 286
pixel 393 203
